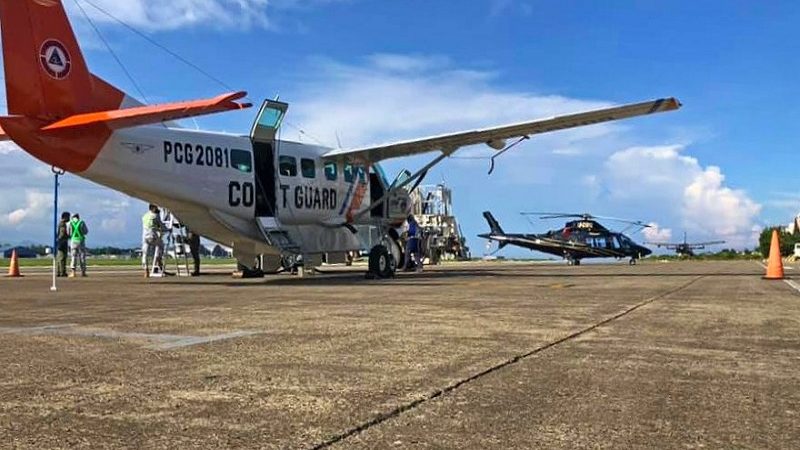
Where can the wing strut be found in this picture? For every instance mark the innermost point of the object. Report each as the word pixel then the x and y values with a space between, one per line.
pixel 508 147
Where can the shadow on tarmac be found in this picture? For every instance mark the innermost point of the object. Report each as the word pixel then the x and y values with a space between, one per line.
pixel 428 278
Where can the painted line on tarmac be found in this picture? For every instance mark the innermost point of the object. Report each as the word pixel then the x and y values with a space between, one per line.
pixel 189 341
pixel 44 329
pixel 384 417
pixel 157 341
pixel 791 283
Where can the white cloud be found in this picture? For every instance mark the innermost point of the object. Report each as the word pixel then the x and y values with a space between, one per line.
pixel 677 185
pixel 159 15
pixel 8 147
pixel 657 234
pixel 174 14
pixel 399 96
pixel 33 207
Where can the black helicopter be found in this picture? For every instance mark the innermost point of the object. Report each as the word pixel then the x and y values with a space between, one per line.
pixel 685 249
pixel 579 239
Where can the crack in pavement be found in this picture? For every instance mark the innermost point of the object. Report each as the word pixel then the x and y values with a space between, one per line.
pixel 381 418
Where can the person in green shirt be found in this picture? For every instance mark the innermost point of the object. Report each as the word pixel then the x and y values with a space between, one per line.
pixel 77 231
pixel 62 245
pixel 152 229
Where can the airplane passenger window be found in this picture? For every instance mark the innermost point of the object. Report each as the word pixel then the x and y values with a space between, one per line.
pixel 241 160
pixel 288 166
pixel 331 171
pixel 362 174
pixel 349 175
pixel 308 168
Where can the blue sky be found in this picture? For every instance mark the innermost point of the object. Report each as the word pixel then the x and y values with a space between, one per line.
pixel 378 71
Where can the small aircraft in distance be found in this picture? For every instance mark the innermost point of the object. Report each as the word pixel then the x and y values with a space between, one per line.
pixel 579 239
pixel 685 249
pixel 264 197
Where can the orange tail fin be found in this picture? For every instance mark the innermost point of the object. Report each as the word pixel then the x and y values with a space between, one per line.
pixel 46 73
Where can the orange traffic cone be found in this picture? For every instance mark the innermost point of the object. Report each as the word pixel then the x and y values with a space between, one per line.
pixel 775 264
pixel 13 269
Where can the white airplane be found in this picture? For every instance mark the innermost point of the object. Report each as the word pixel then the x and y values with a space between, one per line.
pixel 262 196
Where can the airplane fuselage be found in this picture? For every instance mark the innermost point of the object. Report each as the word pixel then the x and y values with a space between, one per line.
pixel 234 190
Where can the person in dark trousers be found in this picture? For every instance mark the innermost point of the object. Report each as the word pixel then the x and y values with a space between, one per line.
pixel 193 239
pixel 62 242
pixel 413 246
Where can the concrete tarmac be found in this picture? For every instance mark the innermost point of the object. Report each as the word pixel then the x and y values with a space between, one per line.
pixel 476 355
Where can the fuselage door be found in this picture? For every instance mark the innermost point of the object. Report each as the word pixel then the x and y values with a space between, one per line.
pixel 269 121
pixel 263 135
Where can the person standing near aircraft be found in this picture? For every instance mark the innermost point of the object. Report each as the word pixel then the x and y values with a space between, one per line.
pixel 62 244
pixel 152 228
pixel 413 245
pixel 193 239
pixel 77 230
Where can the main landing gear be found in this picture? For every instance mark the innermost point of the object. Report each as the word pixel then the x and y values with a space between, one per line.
pixel 382 264
pixel 573 262
pixel 632 262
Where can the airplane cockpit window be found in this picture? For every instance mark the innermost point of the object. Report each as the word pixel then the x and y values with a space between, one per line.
pixel 288 166
pixel 331 171
pixel 241 160
pixel 349 174
pixel 308 168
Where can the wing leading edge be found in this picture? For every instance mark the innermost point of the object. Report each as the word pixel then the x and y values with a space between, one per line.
pixel 152 114
pixel 449 143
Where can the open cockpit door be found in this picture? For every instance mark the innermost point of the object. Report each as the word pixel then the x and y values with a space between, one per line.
pixel 263 135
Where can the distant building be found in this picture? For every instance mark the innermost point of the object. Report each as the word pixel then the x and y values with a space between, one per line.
pixel 221 252
pixel 22 252
pixel 794 227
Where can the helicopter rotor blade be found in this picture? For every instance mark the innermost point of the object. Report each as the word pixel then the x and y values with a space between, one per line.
pixel 551 215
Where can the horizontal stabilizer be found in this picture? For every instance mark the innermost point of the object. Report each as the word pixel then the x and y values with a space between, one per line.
pixel 147 115
pixel 3 135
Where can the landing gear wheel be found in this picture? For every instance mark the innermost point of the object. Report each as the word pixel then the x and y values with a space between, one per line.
pixel 577 262
pixel 632 262
pixel 381 263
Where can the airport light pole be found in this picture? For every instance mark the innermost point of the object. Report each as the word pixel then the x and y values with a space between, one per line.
pixel 56 173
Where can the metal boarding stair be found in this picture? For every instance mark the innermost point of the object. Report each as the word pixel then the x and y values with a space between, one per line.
pixel 278 237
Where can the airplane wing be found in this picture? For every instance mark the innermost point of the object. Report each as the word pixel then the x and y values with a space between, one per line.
pixel 496 136
pixel 152 114
pixel 666 245
pixel 703 244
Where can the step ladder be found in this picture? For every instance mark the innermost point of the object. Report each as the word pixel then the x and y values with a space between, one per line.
pixel 176 248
